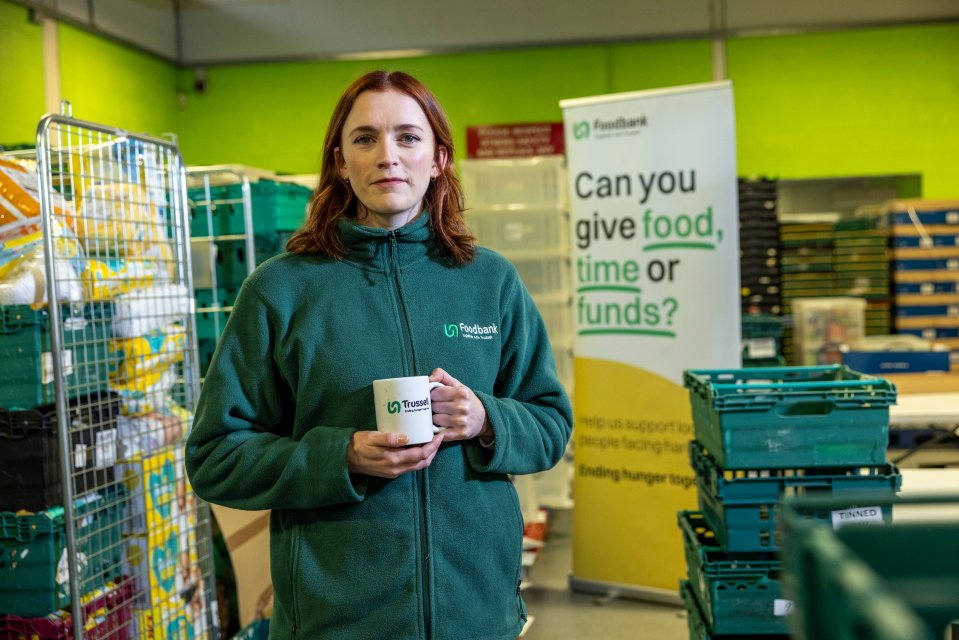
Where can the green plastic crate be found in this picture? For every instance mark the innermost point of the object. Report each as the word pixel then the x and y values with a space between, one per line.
pixel 896 581
pixel 740 506
pixel 791 417
pixel 740 593
pixel 275 206
pixel 696 620
pixel 762 337
pixel 26 378
pixel 33 546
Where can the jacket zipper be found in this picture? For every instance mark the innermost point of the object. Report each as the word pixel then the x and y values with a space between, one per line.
pixel 295 552
pixel 420 477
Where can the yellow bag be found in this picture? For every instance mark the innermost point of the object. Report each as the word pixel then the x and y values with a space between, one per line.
pixel 118 217
pixel 106 278
pixel 134 359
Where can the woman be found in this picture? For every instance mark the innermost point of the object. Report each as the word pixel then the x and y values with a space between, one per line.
pixel 370 538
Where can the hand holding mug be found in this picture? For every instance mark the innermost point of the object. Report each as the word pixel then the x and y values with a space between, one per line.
pixel 457 409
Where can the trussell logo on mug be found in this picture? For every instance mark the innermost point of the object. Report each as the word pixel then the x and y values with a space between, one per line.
pixel 403 406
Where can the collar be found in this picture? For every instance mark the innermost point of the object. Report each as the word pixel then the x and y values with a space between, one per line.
pixel 370 246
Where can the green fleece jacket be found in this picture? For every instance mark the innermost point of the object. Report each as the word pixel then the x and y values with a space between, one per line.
pixel 432 554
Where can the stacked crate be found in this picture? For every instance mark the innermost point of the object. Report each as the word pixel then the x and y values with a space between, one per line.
pixel 925 270
pixel 807 266
pixel 862 268
pixel 219 237
pixel 759 248
pixel 762 340
pixel 32 519
pixel 762 434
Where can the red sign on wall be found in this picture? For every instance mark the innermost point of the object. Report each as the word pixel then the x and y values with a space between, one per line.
pixel 515 140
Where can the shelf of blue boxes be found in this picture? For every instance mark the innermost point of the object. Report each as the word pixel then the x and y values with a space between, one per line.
pixel 925 271
pixel 762 434
pixel 221 244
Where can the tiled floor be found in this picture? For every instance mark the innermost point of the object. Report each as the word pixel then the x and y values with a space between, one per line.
pixel 560 614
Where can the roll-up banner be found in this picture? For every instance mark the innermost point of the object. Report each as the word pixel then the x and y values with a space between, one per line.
pixel 654 214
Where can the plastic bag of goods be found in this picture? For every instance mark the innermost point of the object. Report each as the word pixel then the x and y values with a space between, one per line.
pixel 23 278
pixel 106 278
pixel 20 201
pixel 118 218
pixel 140 311
pixel 132 358
pixel 145 394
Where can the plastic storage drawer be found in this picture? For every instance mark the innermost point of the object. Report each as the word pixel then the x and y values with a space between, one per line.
pixel 791 417
pixel 544 276
pixel 491 183
pixel 30 467
pixel 739 594
pixel 740 506
pixel 515 232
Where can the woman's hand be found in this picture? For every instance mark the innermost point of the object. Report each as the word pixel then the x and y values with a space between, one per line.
pixel 457 409
pixel 383 454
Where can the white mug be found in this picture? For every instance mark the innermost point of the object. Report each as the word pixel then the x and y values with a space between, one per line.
pixel 403 406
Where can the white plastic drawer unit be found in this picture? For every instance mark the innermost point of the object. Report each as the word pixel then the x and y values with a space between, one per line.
pixel 557 312
pixel 544 276
pixel 519 232
pixel 531 181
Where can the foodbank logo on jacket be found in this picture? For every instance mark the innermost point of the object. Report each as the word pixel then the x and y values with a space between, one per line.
pixel 470 331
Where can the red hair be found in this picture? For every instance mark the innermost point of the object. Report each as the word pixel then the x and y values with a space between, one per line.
pixel 334 199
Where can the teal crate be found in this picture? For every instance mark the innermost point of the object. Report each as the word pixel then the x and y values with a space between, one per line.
pixel 278 206
pixel 32 547
pixel 762 337
pixel 220 297
pixel 895 581
pixel 740 506
pixel 209 324
pixel 26 379
pixel 696 620
pixel 205 349
pixel 258 630
pixel 791 417
pixel 740 594
pixel 275 207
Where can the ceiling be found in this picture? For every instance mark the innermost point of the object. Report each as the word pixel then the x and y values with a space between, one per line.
pixel 204 32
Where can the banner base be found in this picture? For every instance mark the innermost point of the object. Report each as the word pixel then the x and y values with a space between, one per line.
pixel 629 591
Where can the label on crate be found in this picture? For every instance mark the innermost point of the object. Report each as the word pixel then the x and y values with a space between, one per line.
pixel 66 361
pixel 761 348
pixel 859 515
pixel 782 607
pixel 105 452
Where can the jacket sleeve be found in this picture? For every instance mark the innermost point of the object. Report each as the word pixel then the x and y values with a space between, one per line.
pixel 528 410
pixel 240 452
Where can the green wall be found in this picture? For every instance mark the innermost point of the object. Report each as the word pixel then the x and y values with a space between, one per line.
pixel 275 115
pixel 104 81
pixel 863 102
pixel 21 75
pixel 853 103
pixel 113 84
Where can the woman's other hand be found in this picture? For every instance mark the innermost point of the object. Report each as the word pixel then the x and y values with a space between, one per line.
pixel 385 455
pixel 457 409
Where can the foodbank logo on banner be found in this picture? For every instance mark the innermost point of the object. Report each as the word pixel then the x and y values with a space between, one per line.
pixel 602 128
